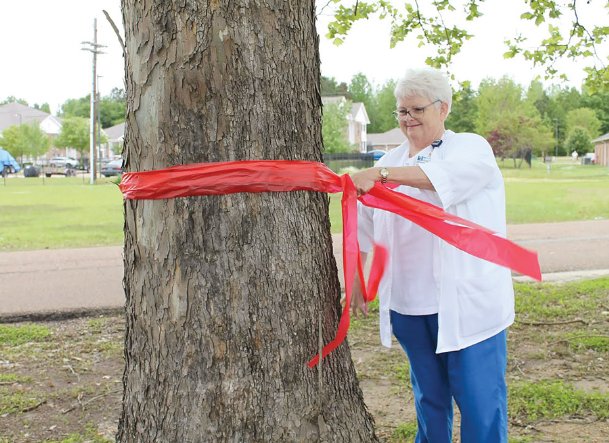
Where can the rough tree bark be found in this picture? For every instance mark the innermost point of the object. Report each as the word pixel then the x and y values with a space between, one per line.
pixel 224 294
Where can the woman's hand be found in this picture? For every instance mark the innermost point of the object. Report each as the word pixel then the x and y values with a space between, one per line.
pixel 365 180
pixel 357 300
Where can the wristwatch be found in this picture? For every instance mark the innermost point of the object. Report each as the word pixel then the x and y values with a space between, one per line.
pixel 384 173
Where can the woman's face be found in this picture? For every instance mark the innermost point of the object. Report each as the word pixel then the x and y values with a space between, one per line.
pixel 421 120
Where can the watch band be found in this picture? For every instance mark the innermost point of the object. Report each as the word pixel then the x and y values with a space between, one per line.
pixel 384 173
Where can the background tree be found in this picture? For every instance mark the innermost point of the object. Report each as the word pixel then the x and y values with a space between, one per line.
pixel 583 118
pixel 335 126
pixel 383 105
pixel 111 112
pixel 74 134
pixel 502 111
pixel 225 294
pixel 599 101
pixel 25 140
pixel 580 141
pixel 330 87
pixel 13 99
pixel 464 110
pixel 43 107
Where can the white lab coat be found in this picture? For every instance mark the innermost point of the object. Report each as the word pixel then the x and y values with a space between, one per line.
pixel 475 297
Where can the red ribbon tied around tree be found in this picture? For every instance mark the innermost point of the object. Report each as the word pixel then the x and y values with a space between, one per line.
pixel 286 175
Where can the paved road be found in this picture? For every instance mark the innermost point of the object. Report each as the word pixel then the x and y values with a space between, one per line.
pixel 75 280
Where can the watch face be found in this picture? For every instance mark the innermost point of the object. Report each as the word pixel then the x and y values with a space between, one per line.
pixel 384 173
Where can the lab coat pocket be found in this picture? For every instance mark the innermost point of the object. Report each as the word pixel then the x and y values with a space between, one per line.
pixel 484 302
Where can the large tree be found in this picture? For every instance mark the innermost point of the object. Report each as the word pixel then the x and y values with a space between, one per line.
pixel 225 294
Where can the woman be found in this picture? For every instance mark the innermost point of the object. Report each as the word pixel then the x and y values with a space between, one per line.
pixel 448 310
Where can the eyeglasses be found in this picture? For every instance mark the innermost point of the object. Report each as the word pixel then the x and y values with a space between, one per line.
pixel 415 112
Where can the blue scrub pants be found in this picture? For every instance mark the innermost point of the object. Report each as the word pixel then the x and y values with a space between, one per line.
pixel 474 377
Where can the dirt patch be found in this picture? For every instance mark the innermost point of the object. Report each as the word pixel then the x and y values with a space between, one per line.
pixel 69 384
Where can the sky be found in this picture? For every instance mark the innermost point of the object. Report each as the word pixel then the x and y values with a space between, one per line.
pixel 42 59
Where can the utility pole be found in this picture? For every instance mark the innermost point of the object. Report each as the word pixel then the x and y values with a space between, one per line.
pixel 93 47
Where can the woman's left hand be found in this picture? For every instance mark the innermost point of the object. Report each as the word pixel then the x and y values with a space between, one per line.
pixel 365 180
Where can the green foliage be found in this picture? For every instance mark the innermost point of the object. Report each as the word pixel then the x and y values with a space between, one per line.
pixel 464 110
pixel 579 140
pixel 599 101
pixel 330 87
pixel 551 399
pixel 13 99
pixel 583 118
pixel 25 139
pixel 442 24
pixel 334 127
pixel 44 107
pixel 74 134
pixel 112 108
pixel 510 123
pixel 12 335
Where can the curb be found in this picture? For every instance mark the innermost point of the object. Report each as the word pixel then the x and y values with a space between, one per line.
pixel 49 316
pixel 566 276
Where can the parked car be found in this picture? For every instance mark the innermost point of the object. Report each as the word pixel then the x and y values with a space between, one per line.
pixel 112 168
pixel 376 153
pixel 63 162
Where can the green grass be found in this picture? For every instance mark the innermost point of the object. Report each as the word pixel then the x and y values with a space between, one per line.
pixel 12 402
pixel 548 302
pixel 552 399
pixel 61 212
pixel 14 378
pixel 89 435
pixel 13 335
pixel 405 432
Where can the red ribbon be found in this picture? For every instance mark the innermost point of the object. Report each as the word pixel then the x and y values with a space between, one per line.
pixel 285 175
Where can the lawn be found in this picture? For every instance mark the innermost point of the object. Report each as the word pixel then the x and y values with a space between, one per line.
pixel 60 382
pixel 61 212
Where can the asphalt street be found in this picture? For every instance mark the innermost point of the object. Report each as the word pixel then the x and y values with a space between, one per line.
pixel 56 283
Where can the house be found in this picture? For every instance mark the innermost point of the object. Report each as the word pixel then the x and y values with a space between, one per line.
pixel 12 114
pixel 386 140
pixel 357 118
pixel 116 137
pixel 601 150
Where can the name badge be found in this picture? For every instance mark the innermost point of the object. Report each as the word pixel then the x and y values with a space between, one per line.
pixel 423 158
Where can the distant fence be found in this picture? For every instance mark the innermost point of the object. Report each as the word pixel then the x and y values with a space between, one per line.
pixel 339 161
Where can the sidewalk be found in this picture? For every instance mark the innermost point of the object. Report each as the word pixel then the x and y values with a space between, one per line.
pixel 59 283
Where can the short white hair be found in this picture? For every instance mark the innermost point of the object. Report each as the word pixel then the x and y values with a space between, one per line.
pixel 426 82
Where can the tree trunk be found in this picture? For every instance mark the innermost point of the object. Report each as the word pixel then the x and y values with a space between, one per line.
pixel 225 293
